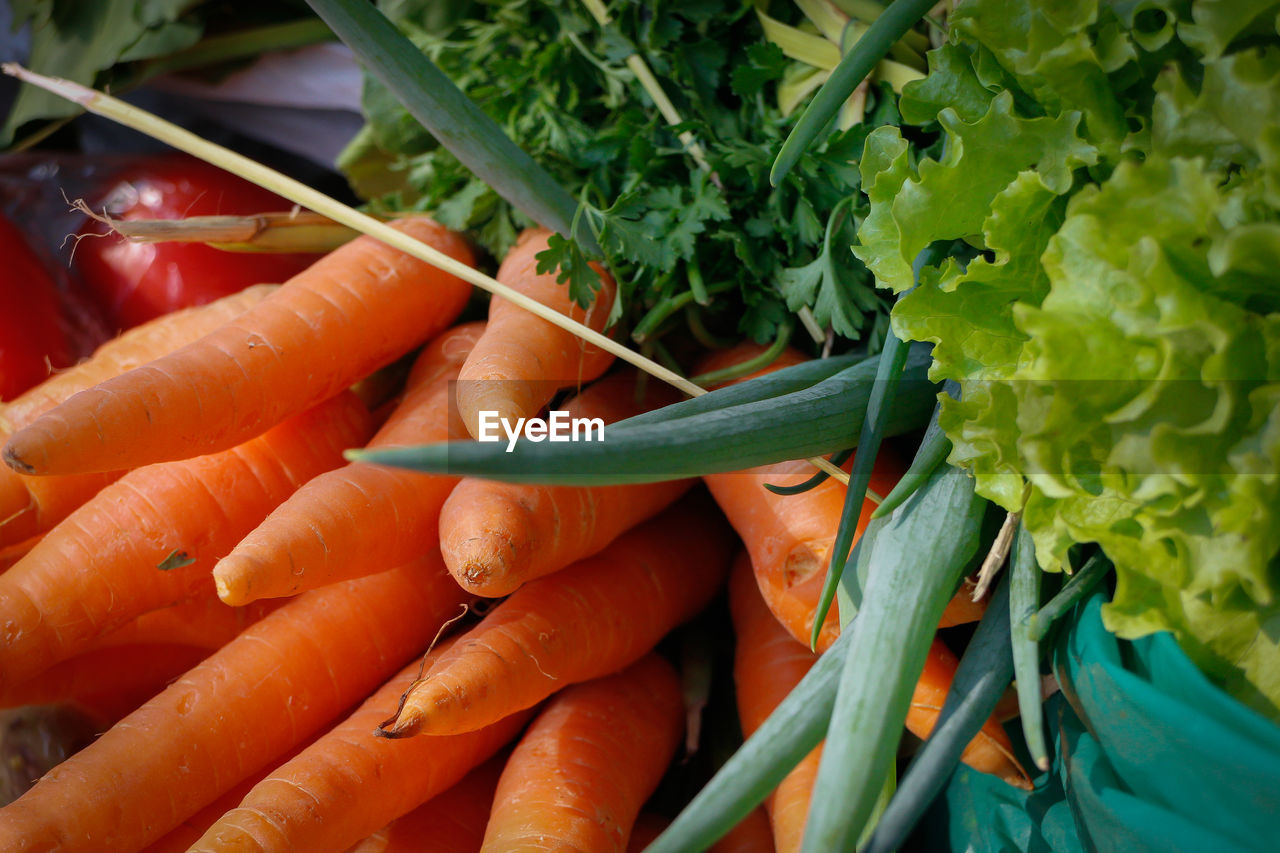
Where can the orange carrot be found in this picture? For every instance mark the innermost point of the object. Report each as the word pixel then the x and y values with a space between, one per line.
pixel 962 609
pixel 578 777
pixel 205 622
pixel 453 821
pixel 522 360
pixel 584 622
pixel 990 751
pixel 767 664
pixel 337 523
pixel 350 782
pixel 354 310
pixel 496 536
pixel 31 505
pixel 247 704
pixel 136 671
pixel 181 837
pixel 752 835
pixel 790 537
pixel 123 553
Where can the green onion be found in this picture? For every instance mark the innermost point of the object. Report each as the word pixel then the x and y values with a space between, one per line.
pixel 726 439
pixel 852 70
pixel 1081 583
pixel 932 452
pixel 916 563
pixel 453 118
pixel 1024 599
pixel 979 682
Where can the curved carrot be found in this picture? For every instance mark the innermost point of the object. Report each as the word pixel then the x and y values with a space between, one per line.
pixel 251 701
pixel 354 310
pixel 350 782
pixel 497 536
pixel 338 522
pixel 578 777
pixel 790 537
pixel 31 505
pixel 589 620
pixel 454 820
pixel 753 834
pixel 130 549
pixel 767 664
pixel 522 360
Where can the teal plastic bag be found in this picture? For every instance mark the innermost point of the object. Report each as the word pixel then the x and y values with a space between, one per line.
pixel 1148 756
pixel 1164 759
pixel 981 813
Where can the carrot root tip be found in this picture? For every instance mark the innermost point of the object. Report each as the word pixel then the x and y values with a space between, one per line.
pixel 15 462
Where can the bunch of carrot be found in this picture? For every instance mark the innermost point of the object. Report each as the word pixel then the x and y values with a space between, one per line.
pixel 190 560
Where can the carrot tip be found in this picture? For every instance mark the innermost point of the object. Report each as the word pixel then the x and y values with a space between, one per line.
pixel 396 730
pixel 15 462
pixel 232 596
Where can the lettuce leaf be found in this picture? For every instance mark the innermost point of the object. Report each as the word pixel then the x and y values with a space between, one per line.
pixel 1117 339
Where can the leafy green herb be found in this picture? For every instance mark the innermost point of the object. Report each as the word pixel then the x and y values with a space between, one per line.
pixel 556 82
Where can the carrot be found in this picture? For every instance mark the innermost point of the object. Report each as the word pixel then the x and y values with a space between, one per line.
pixel 131 672
pixel 752 835
pixel 496 536
pixel 790 536
pixel 188 832
pixel 205 622
pixel 32 505
pixel 962 609
pixel 453 821
pixel 990 751
pixel 350 782
pixel 767 664
pixel 578 777
pixel 354 310
pixel 248 703
pixel 123 553
pixel 522 360
pixel 587 621
pixel 336 523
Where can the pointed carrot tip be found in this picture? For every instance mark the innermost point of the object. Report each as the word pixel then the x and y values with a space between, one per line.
pixel 397 728
pixel 15 462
